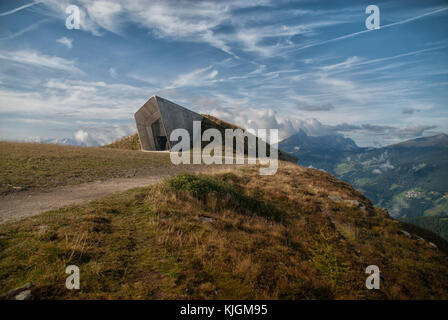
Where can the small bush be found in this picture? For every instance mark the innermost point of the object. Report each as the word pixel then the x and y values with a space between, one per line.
pixel 200 186
pixel 205 188
pixel 128 143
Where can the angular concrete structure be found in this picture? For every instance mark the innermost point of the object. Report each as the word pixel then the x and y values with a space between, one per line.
pixel 157 118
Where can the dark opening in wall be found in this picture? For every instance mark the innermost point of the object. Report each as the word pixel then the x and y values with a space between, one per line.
pixel 160 139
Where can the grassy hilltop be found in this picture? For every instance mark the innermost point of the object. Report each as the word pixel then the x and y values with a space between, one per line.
pixel 31 166
pixel 131 142
pixel 300 234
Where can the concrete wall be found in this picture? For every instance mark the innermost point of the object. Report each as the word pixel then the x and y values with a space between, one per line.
pixel 175 116
pixel 172 116
pixel 144 117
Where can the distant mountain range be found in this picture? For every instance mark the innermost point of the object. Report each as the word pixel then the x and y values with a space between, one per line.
pixel 61 141
pixel 410 179
pixel 319 152
pixel 89 136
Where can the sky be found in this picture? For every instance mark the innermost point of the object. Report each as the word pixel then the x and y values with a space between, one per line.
pixel 274 64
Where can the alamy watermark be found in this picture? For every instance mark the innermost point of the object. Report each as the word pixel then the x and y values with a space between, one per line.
pixel 373 21
pixel 74 19
pixel 182 153
pixel 73 280
pixel 373 280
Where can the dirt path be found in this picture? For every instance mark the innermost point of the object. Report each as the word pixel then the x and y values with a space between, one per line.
pixel 19 205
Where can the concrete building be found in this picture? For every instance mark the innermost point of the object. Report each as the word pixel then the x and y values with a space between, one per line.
pixel 157 118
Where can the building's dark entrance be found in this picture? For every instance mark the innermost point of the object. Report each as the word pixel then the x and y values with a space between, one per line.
pixel 158 133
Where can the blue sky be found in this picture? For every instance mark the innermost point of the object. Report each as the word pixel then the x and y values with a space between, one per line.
pixel 290 65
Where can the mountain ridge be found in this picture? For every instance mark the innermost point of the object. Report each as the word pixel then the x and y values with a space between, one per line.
pixel 408 178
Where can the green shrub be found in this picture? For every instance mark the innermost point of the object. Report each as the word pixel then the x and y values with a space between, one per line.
pixel 202 187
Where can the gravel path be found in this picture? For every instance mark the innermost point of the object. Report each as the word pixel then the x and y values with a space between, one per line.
pixel 23 204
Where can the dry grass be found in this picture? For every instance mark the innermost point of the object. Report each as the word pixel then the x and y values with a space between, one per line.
pixel 230 235
pixel 30 166
pixel 25 166
pixel 131 142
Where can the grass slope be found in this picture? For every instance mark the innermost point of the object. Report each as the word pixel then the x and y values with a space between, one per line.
pixel 25 166
pixel 296 235
pixel 437 224
pixel 131 142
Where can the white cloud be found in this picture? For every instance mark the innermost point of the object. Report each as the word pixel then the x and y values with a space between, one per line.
pixel 187 20
pixel 76 99
pixel 96 135
pixel 66 42
pixel 81 136
pixel 364 134
pixel 101 135
pixel 7 13
pixel 251 118
pixel 246 83
pixel 354 34
pixel 345 89
pixel 251 38
pixel 338 84
pixel 199 77
pixel 105 14
pixel 198 21
pixel 113 72
pixel 345 64
pixel 25 30
pixel 37 59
